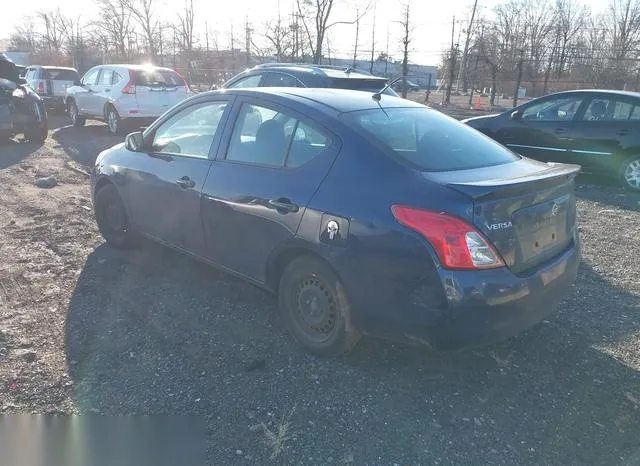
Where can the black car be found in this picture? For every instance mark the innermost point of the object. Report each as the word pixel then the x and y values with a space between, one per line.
pixel 22 111
pixel 308 75
pixel 597 129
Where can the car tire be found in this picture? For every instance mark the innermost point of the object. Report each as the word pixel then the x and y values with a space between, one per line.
pixel 74 114
pixel 315 308
pixel 114 122
pixel 112 219
pixel 38 134
pixel 629 173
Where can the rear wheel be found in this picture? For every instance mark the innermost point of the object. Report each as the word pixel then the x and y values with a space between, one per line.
pixel 112 218
pixel 315 308
pixel 113 121
pixel 630 173
pixel 76 119
pixel 38 134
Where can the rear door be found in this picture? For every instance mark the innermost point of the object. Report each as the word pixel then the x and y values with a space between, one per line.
pixel 541 130
pixel 164 185
pixel 604 132
pixel 101 91
pixel 261 182
pixel 157 90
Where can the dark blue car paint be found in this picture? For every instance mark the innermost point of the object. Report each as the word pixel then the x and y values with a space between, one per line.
pixel 392 276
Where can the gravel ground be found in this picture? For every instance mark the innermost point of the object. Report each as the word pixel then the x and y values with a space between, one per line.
pixel 88 329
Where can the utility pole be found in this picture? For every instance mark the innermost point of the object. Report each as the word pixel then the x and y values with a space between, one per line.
pixel 463 64
pixel 233 51
pixel 161 52
pixel 452 62
pixel 386 61
pixel 248 31
pixel 373 40
pixel 206 33
pixel 355 48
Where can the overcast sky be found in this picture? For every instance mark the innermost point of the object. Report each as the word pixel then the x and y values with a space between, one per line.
pixel 432 24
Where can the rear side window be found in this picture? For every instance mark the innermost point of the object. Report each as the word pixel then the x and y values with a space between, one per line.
pixel 428 140
pixel 249 81
pixel 156 77
pixel 105 77
pixel 60 75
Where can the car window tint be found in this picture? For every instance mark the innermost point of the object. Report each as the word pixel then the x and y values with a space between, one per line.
pixel 429 140
pixel 57 74
pixel 559 109
pixel 635 115
pixel 249 81
pixel 307 144
pixel 90 77
pixel 157 78
pixel 622 110
pixel 279 80
pixel 258 137
pixel 115 78
pixel 105 78
pixel 191 131
pixel 599 110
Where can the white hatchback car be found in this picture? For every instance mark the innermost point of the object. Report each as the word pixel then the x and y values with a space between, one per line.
pixel 124 95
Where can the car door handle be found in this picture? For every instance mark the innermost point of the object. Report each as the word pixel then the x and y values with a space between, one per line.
pixel 107 90
pixel 560 130
pixel 622 132
pixel 283 204
pixel 186 182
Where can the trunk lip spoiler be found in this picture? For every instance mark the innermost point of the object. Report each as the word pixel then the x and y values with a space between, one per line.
pixel 486 188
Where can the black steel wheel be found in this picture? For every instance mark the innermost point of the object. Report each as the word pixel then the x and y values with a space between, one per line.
pixel 315 308
pixel 112 218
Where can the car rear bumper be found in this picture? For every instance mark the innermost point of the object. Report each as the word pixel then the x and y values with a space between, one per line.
pixel 491 305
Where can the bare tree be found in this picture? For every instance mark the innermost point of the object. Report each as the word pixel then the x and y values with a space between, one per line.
pixel 279 36
pixel 142 12
pixel 25 37
pixel 114 23
pixel 406 40
pixel 355 46
pixel 318 13
pixel 54 30
pixel 185 26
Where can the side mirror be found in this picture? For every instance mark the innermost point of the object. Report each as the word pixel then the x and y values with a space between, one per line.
pixel 515 115
pixel 77 83
pixel 134 142
pixel 22 81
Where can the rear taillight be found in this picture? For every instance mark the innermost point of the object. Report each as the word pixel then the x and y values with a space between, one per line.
pixel 457 244
pixel 40 89
pixel 130 88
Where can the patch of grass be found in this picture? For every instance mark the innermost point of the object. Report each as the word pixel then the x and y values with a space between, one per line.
pixel 277 434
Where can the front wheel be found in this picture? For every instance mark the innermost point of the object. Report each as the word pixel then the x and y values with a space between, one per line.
pixel 114 122
pixel 630 173
pixel 112 218
pixel 315 308
pixel 74 114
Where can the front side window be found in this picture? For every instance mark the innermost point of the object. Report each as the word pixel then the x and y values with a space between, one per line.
pixel 105 78
pixel 90 77
pixel 428 140
pixel 263 136
pixel 249 81
pixel 558 109
pixel 190 132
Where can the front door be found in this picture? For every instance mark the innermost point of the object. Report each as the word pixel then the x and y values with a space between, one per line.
pixel 608 127
pixel 163 186
pixel 261 182
pixel 84 94
pixel 540 130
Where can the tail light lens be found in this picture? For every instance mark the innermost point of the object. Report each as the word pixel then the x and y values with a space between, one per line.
pixel 130 88
pixel 458 244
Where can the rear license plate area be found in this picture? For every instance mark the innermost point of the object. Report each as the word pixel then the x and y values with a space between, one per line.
pixel 542 226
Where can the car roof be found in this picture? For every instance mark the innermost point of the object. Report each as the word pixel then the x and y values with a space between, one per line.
pixel 598 91
pixel 137 67
pixel 328 71
pixel 51 67
pixel 330 100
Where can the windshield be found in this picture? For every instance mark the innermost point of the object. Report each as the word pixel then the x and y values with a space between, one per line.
pixel 428 140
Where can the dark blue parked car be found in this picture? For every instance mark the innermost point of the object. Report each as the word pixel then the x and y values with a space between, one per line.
pixel 365 216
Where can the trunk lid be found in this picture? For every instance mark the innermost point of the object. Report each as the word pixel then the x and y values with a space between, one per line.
pixel 158 90
pixel 58 80
pixel 528 212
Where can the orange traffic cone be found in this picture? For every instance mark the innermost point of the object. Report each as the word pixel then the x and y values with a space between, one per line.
pixel 478 105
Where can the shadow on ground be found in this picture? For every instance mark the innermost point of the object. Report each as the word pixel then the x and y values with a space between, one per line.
pixel 15 151
pixel 151 331
pixel 83 144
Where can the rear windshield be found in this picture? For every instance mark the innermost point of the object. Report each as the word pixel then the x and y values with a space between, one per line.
pixel 354 84
pixel 429 140
pixel 61 75
pixel 158 78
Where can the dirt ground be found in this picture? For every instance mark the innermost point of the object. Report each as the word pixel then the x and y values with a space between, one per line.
pixel 88 329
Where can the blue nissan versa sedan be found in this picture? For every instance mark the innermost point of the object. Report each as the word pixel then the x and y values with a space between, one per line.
pixel 365 213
